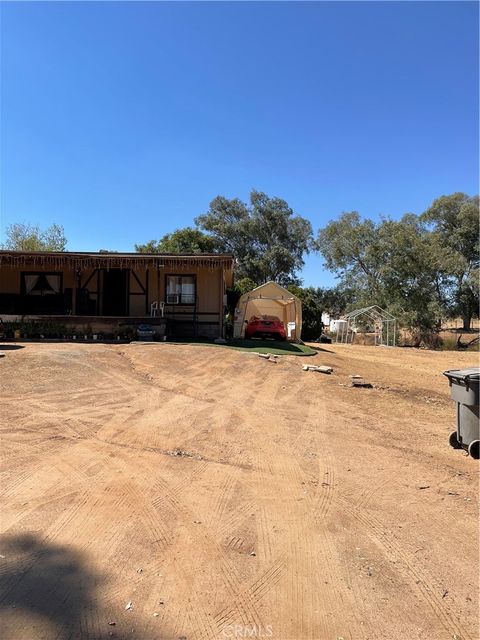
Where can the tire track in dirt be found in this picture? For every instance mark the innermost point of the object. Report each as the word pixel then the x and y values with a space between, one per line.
pixel 262 584
pixel 129 383
pixel 265 545
pixel 224 496
pixel 418 577
pixel 169 498
pixel 237 518
pixel 319 491
pixel 263 474
pixel 20 515
pixel 43 403
pixel 370 630
pixel 231 578
pixel 295 565
pixel 269 578
pixel 244 605
pixel 255 591
pixel 255 464
pixel 186 384
pixel 51 534
pixel 14 484
pixel 169 495
pixel 231 525
pixel 161 534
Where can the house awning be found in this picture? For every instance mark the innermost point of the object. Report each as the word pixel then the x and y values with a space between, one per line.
pixel 136 261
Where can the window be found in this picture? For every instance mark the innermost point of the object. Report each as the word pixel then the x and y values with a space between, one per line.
pixel 180 290
pixel 41 284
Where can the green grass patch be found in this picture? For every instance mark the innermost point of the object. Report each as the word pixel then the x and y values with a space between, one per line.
pixel 259 346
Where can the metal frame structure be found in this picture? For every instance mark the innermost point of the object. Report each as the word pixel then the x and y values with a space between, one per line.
pixel 270 298
pixel 385 325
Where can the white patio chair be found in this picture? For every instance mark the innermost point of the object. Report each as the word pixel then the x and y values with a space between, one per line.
pixel 156 308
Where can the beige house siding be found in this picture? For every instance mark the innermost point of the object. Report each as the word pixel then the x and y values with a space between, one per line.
pixel 143 286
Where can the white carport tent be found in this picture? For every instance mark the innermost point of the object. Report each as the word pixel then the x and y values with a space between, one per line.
pixel 269 299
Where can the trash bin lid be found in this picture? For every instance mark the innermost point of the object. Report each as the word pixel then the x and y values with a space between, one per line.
pixel 473 373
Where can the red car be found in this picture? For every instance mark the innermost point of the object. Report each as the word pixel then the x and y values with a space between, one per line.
pixel 265 327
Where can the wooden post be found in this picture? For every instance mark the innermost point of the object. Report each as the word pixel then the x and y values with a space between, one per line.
pixel 76 278
pixel 147 310
pixel 222 292
pixel 99 300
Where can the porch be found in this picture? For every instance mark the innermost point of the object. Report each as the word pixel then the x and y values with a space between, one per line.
pixel 173 325
pixel 181 295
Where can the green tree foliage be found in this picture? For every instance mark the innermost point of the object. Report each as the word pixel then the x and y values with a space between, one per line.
pixel 348 246
pixel 312 309
pixel 410 280
pixel 316 301
pixel 454 223
pixel 240 286
pixel 268 240
pixel 395 264
pixel 27 237
pixel 244 285
pixel 187 240
pixel 336 300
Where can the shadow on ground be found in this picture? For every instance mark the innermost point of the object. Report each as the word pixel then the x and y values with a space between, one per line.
pixel 11 347
pixel 47 588
pixel 323 349
pixel 277 345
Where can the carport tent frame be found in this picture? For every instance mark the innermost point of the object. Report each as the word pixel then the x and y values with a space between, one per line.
pixel 279 299
pixel 282 300
pixel 385 325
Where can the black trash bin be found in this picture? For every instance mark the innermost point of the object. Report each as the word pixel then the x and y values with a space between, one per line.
pixel 464 389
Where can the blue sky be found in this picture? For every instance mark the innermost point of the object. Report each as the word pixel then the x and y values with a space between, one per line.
pixel 121 121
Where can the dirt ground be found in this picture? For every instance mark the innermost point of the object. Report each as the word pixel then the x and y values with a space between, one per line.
pixel 160 491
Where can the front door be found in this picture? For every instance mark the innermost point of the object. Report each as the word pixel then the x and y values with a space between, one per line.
pixel 115 292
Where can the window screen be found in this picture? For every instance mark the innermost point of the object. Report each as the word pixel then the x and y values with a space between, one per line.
pixel 181 290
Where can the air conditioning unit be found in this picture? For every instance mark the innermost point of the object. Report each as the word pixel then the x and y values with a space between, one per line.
pixel 173 298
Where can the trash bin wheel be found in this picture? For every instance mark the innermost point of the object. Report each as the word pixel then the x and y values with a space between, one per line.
pixel 473 449
pixel 453 441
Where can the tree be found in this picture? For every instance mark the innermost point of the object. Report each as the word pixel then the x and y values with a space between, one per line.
pixel 240 286
pixel 243 285
pixel 395 264
pixel 27 237
pixel 312 309
pixel 410 276
pixel 454 222
pixel 337 300
pixel 187 240
pixel 349 248
pixel 316 301
pixel 267 239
